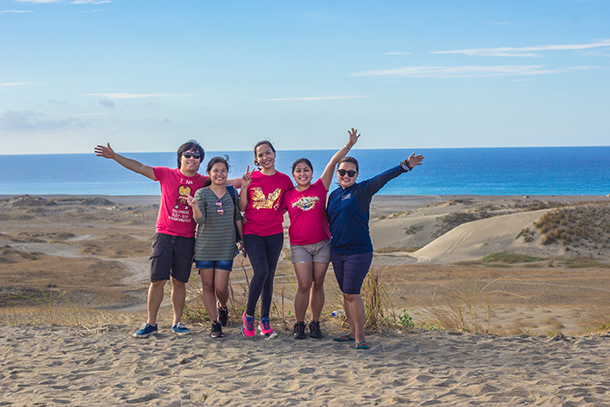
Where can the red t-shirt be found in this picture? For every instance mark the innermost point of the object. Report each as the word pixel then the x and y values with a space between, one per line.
pixel 307 211
pixel 175 215
pixel 264 215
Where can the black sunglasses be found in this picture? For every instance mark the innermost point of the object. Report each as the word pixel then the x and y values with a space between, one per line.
pixel 349 173
pixel 189 155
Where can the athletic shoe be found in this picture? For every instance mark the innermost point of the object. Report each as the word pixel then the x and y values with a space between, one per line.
pixel 216 330
pixel 264 326
pixel 180 329
pixel 146 330
pixel 298 331
pixel 248 328
pixel 223 314
pixel 314 330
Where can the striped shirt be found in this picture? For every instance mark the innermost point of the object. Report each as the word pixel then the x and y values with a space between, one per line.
pixel 215 232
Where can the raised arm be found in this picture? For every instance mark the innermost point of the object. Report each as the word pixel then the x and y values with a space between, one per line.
pixel 243 194
pixel 329 171
pixel 133 165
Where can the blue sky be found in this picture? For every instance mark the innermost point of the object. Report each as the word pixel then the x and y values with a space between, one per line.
pixel 149 75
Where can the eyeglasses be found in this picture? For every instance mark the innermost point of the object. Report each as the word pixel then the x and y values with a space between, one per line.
pixel 193 155
pixel 349 173
pixel 219 210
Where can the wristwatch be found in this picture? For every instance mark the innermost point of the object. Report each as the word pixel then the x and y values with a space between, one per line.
pixel 405 165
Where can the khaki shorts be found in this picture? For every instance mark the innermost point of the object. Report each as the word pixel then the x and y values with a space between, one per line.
pixel 316 252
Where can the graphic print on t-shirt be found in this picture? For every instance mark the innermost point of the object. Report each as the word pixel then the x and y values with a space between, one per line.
pixel 259 201
pixel 183 191
pixel 306 202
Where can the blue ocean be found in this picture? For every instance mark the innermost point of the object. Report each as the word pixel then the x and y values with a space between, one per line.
pixel 455 171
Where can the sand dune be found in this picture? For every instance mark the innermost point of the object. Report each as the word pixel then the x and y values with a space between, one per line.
pixel 474 240
pixel 97 256
pixel 77 367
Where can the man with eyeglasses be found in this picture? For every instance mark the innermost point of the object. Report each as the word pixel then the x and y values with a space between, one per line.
pixel 174 241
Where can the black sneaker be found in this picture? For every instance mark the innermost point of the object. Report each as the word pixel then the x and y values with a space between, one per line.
pixel 314 330
pixel 299 331
pixel 223 314
pixel 216 330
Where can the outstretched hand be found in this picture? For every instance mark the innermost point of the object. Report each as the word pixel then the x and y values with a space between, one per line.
pixel 353 137
pixel 104 151
pixel 415 160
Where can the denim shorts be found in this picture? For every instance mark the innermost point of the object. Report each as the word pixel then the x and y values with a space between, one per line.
pixel 316 252
pixel 218 264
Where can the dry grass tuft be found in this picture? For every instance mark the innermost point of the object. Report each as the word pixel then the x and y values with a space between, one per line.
pixel 587 225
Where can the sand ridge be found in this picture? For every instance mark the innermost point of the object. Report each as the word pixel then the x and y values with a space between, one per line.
pixel 95 252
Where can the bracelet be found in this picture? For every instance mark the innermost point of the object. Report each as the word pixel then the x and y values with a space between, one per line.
pixel 348 148
pixel 405 165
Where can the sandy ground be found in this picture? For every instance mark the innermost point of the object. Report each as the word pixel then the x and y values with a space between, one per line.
pixel 74 274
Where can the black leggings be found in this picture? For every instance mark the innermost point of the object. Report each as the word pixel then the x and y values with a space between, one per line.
pixel 264 252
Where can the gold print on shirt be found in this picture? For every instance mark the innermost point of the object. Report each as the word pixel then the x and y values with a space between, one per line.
pixel 306 202
pixel 260 202
pixel 183 191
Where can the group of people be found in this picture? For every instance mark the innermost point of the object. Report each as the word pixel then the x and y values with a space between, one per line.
pixel 201 217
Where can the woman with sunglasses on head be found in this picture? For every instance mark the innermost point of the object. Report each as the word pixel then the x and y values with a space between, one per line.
pixel 217 215
pixel 352 250
pixel 260 200
pixel 310 237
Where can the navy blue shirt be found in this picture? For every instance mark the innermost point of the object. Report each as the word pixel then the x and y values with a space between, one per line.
pixel 348 213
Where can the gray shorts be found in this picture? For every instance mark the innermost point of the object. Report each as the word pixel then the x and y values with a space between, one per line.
pixel 316 252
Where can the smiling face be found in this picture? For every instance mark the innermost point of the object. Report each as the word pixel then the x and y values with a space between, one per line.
pixel 302 174
pixel 218 174
pixel 188 163
pixel 345 180
pixel 265 156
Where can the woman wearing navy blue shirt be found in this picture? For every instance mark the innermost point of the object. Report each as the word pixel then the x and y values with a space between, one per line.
pixel 352 250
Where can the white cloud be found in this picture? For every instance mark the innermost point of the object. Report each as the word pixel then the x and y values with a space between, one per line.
pixel 12 84
pixel 314 98
pixel 15 11
pixel 39 1
pixel 468 70
pixel 524 51
pixel 139 96
pixel 91 1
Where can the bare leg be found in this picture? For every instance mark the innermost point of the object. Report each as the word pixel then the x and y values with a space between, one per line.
pixel 355 305
pixel 221 286
pixel 207 293
pixel 155 297
pixel 304 272
pixel 178 299
pixel 317 292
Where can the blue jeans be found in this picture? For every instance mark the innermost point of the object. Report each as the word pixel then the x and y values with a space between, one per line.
pixel 264 252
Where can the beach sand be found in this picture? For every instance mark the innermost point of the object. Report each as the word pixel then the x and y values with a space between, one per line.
pixel 74 275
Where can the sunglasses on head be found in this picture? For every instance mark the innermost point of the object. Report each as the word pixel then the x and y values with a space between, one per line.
pixel 349 173
pixel 193 155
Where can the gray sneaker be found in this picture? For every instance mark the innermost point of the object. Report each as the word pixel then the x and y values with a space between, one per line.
pixel 146 330
pixel 180 329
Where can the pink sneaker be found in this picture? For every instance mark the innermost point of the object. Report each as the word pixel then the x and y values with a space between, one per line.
pixel 264 326
pixel 248 328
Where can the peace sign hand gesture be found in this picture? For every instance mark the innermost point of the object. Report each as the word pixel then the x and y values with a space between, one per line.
pixel 246 178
